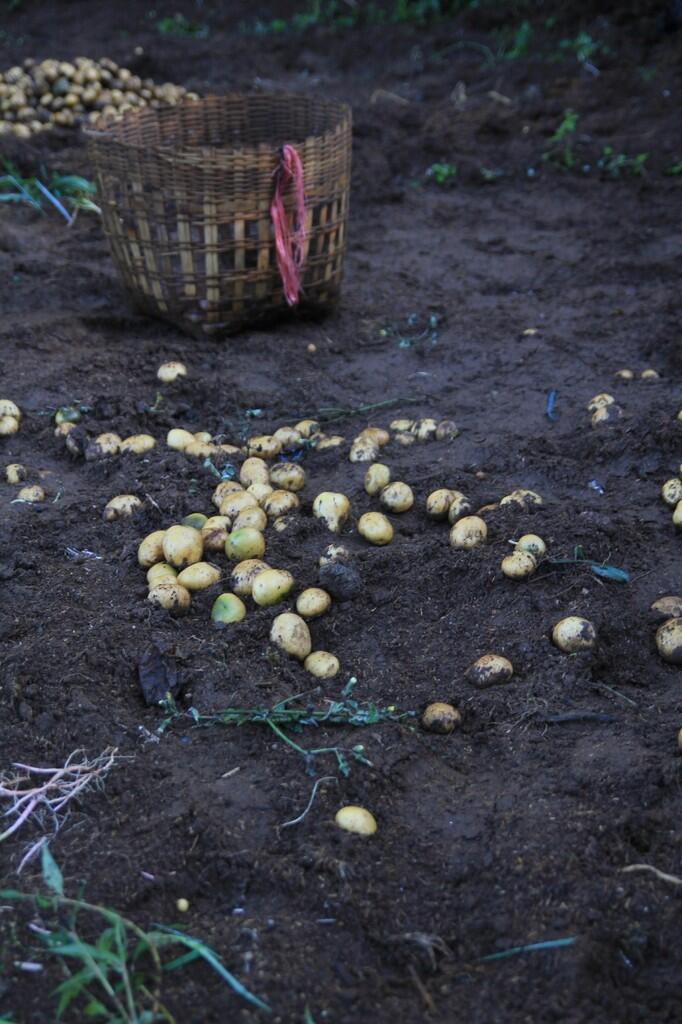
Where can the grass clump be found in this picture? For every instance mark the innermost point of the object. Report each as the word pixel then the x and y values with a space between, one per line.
pixel 113 968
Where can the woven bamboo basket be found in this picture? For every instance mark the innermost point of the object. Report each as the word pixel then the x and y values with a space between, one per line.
pixel 186 191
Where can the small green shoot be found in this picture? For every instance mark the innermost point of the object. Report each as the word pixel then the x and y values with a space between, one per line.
pixel 560 150
pixel 441 173
pixel 584 48
pixel 617 164
pixel 601 569
pixel 116 976
pixel 180 26
pixel 675 169
pixel 75 191
pixel 517 44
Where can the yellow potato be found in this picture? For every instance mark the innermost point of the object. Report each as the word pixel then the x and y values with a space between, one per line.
pixel 332 508
pixel 377 477
pixel 518 565
pixel 199 576
pixel 574 634
pixel 489 670
pixel 397 497
pixel 441 718
pixel 150 550
pixel 161 572
pixel 322 664
pixel 356 819
pixel 171 596
pixel 290 632
pixel 266 445
pixel 245 573
pixel 32 494
pixel 182 546
pixel 254 517
pixel 178 439
pixel 669 641
pixel 287 476
pixel 15 473
pixel 313 602
pixel 533 544
pixel 214 533
pixel 271 586
pixel 235 502
pixel 169 372
pixel 469 532
pixel 138 444
pixel 280 503
pixel 254 471
pixel 121 506
pixel 438 503
pixel 460 506
pixel 376 528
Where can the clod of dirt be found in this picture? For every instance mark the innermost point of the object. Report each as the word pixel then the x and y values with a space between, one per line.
pixel 343 582
pixel 158 675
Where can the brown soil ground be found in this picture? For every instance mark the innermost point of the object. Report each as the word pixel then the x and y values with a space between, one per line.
pixel 516 828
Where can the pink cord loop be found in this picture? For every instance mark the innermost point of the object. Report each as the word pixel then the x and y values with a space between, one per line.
pixel 288 247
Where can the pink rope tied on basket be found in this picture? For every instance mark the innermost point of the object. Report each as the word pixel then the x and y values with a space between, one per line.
pixel 288 247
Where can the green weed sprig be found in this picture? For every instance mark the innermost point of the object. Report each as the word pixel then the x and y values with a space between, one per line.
pixel 347 712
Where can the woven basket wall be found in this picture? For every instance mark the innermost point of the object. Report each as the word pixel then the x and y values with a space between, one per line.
pixel 185 193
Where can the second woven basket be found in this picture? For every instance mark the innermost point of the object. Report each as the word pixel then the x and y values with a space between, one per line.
pixel 186 195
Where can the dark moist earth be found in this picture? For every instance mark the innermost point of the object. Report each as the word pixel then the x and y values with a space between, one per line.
pixel 515 829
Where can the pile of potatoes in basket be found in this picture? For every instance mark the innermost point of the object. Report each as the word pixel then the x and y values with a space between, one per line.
pixel 39 95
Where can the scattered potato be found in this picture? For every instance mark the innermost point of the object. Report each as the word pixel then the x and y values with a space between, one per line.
pixel 669 641
pixel 288 476
pixel 377 477
pixel 313 602
pixel 333 441
pixel 199 576
pixel 468 533
pixel 245 573
pixel 533 544
pixel 671 491
pixel 103 445
pixel 281 503
pixel 161 572
pixel 438 503
pixel 234 502
pixel 265 445
pixel 523 497
pixel 254 471
pixel 376 434
pixel 182 905
pixel 199 449
pixel 459 506
pixel 518 565
pixel 649 374
pixel 171 596
pixel 427 429
pixel 63 429
pixel 282 523
pixel 489 670
pixel 404 438
pixel 363 449
pixel 625 374
pixel 441 718
pixel 668 607
pixel 401 425
pixel 447 430
pixel 307 428
pixel 121 506
pixel 322 664
pixel 260 492
pixel 178 439
pixel 289 438
pixel 252 516
pixel 8 425
pixel 15 473
pixel 397 497
pixel 197 520
pixel 203 436
pixel 32 494
pixel 228 608
pixel 599 401
pixel 182 546
pixel 150 550
pixel 606 414
pixel 169 372
pixel 225 488
pixel 271 586
pixel 332 508
pixel 376 528
pixel 138 444
pixel 334 553
pixel 356 819
pixel 9 408
pixel 246 542
pixel 574 634
pixel 290 632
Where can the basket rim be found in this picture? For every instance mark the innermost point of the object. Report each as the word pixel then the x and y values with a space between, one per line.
pixel 107 130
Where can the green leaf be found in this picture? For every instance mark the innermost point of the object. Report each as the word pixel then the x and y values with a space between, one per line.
pixel 95 1009
pixel 212 960
pixel 52 876
pixel 610 572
